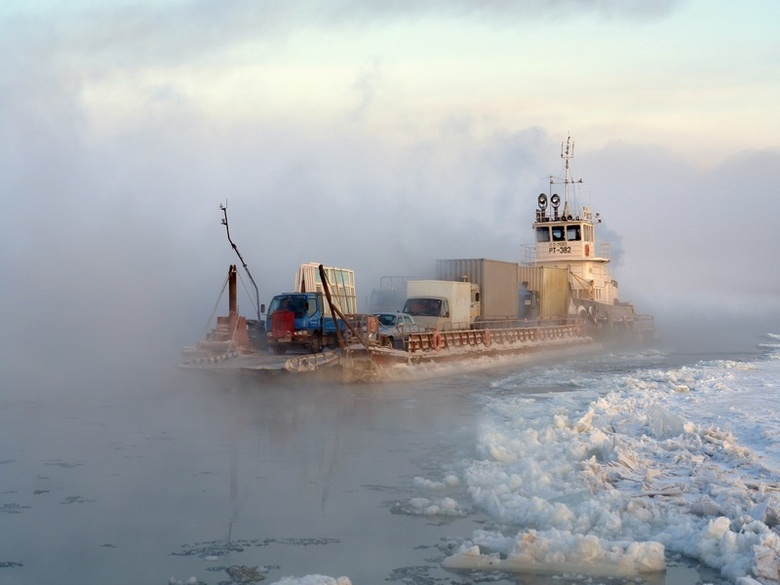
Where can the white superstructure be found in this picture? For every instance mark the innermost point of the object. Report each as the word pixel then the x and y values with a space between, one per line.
pixel 565 238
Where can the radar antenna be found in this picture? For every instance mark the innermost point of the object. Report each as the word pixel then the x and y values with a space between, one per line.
pixel 246 268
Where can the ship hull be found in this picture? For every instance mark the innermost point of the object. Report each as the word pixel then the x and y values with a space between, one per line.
pixel 426 354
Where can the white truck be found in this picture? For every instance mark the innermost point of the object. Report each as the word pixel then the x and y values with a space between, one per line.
pixel 442 304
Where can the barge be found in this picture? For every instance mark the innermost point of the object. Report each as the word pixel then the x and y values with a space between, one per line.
pixel 476 313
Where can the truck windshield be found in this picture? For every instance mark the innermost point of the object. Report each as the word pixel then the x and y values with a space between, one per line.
pixel 423 307
pixel 386 320
pixel 297 304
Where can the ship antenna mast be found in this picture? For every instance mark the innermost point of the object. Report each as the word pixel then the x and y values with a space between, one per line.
pixel 246 268
pixel 567 153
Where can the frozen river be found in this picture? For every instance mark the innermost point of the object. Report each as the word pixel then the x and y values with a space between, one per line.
pixel 177 477
pixel 147 483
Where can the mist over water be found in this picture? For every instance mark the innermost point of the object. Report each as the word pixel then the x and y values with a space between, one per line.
pixel 702 324
pixel 118 466
pixel 174 476
pixel 124 129
pixel 115 464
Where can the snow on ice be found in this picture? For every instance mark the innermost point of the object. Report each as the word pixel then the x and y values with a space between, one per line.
pixel 611 477
pixel 608 479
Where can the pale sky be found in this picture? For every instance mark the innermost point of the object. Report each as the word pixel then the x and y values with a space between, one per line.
pixel 696 77
pixel 378 136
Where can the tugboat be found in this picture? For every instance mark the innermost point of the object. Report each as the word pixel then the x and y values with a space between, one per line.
pixel 565 238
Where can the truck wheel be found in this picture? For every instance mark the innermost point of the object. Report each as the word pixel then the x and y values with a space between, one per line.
pixel 278 349
pixel 388 342
pixel 315 346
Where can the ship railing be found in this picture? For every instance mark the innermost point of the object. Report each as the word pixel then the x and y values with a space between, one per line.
pixel 517 323
pixel 487 339
pixel 528 253
pixel 644 323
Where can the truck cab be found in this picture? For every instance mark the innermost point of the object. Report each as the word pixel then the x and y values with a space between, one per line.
pixel 297 319
pixel 433 312
pixel 442 305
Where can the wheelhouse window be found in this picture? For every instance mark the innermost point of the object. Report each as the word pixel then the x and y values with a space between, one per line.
pixel 573 233
pixel 558 233
pixel 543 234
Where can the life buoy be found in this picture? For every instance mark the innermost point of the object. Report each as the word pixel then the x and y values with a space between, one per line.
pixel 487 337
pixel 587 250
pixel 436 341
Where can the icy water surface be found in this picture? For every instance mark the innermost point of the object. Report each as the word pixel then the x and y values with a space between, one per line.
pixel 183 477
pixel 138 485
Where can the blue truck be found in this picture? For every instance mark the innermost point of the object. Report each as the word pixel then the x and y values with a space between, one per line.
pixel 301 320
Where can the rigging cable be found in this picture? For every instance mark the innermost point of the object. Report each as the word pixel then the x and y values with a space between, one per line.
pixel 214 311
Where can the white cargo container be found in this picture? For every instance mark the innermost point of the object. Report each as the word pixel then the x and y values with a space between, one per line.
pixel 442 304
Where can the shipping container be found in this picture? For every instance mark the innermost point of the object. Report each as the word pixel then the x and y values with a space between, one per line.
pixel 499 284
pixel 552 286
pixel 442 305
